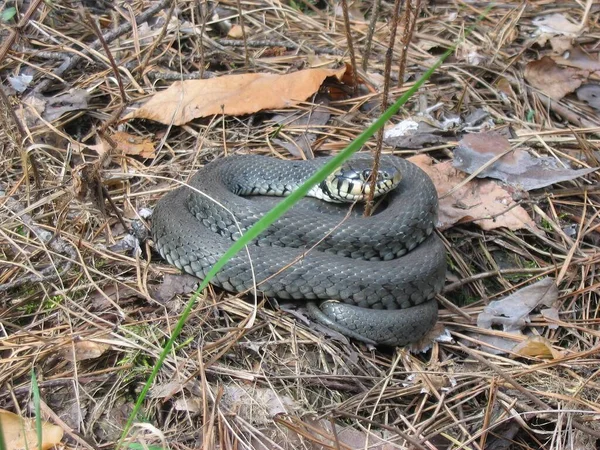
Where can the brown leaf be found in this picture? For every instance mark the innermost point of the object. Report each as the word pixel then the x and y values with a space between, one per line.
pixel 579 59
pixel 235 32
pixel 20 434
pixel 553 80
pixel 83 350
pixel 232 94
pixel 483 202
pixel 172 285
pixel 129 144
pixel 517 168
pixel 557 24
pixel 537 347
pixel 512 312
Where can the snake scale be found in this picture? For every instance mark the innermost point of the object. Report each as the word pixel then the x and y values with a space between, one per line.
pixel 370 278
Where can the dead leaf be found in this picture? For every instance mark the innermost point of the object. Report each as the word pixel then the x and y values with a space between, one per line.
pixel 512 312
pixel 256 405
pixel 21 434
pixel 129 144
pixel 189 404
pixel 165 390
pixel 537 347
pixel 84 349
pixel 557 24
pixel 483 202
pixel 517 168
pixel 324 434
pixel 172 285
pixel 590 95
pixel 20 83
pixel 236 32
pixel 232 94
pixel 52 108
pixel 553 80
pixel 579 59
pixel 125 144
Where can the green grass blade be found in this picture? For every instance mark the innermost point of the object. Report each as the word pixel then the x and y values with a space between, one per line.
pixel 35 390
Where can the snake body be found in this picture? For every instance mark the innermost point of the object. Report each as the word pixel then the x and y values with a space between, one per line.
pixel 375 277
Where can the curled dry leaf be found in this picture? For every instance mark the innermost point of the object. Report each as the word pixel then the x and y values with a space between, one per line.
pixel 233 95
pixel 126 144
pixel 512 314
pixel 52 108
pixel 517 168
pixel 576 57
pixel 236 32
pixel 84 349
pixel 257 405
pixel 553 80
pixel 21 434
pixel 311 433
pixel 557 24
pixel 537 347
pixel 590 95
pixel 129 144
pixel 483 202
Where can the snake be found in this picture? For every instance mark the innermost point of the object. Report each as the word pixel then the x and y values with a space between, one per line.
pixel 373 278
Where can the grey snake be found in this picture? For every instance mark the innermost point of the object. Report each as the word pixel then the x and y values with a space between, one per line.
pixel 370 278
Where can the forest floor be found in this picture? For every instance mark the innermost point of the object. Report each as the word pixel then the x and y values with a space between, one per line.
pixel 507 127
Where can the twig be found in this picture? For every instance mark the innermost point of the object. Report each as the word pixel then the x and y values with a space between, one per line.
pixel 389 55
pixel 73 61
pixel 56 243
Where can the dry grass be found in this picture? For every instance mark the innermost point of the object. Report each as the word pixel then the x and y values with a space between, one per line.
pixel 68 295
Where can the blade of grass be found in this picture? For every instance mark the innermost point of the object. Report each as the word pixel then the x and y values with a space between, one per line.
pixel 35 390
pixel 279 209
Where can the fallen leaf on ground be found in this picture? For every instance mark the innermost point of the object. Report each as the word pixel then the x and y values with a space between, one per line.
pixel 84 349
pixel 20 434
pixel 233 95
pixel 590 95
pixel 512 314
pixel 52 108
pixel 553 80
pixel 517 168
pixel 537 347
pixel 483 202
pixel 557 24
pixel 576 57
pixel 172 285
pixel 256 405
pixel 129 144
pixel 125 144
pixel 316 434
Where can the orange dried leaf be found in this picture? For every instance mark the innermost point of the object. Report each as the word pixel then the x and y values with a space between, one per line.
pixel 20 433
pixel 537 347
pixel 235 32
pixel 83 350
pixel 129 144
pixel 233 95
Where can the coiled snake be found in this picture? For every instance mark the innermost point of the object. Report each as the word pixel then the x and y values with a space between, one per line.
pixel 375 277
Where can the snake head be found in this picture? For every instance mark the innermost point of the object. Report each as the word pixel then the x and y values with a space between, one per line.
pixel 351 182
